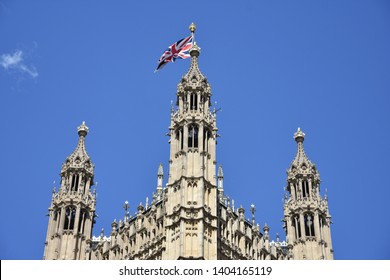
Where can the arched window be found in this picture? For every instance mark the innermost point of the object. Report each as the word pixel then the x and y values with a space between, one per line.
pixel 75 182
pixel 70 215
pixel 82 219
pixel 194 101
pixel 179 138
pixel 206 137
pixel 322 225
pixel 305 188
pixel 309 224
pixel 56 214
pixel 57 217
pixel 193 136
pixel 297 226
pixel 295 191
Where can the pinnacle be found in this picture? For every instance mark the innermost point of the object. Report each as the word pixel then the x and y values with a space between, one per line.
pixel 79 157
pixel 299 136
pixel 83 129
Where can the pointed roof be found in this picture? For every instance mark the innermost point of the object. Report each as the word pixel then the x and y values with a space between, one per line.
pixel 300 157
pixel 301 163
pixel 160 171
pixel 194 71
pixel 220 172
pixel 79 157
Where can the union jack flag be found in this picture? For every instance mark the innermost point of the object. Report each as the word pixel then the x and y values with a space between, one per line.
pixel 180 49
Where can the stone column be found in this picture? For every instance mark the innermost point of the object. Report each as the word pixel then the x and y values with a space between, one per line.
pixel 182 248
pixel 299 191
pixel 76 221
pixel 302 222
pixel 62 220
pixel 76 238
pixel 185 137
pixel 200 138
pixel 317 226
pixel 184 157
pixel 296 228
pixel 87 186
pixel 52 224
pixel 289 236
pixel 212 161
pixel 48 243
pixel 201 244
pixel 292 191
pixel 328 240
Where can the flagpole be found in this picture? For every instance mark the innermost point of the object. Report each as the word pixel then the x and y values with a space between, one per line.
pixel 192 29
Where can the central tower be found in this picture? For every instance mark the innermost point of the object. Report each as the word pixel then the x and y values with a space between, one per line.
pixel 191 193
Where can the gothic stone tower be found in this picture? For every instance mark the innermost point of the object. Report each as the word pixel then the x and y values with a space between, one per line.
pixel 191 217
pixel 72 209
pixel 306 215
pixel 191 193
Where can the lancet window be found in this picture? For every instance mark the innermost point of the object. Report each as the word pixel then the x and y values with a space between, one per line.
pixel 206 137
pixel 70 215
pixel 75 182
pixel 193 101
pixel 309 225
pixel 192 136
pixel 179 138
pixel 297 226
pixel 305 188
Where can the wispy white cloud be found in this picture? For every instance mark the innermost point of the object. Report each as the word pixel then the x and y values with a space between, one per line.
pixel 15 62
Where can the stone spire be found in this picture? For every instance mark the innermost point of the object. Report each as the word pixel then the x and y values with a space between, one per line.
pixel 301 163
pixel 194 71
pixel 79 159
pixel 160 171
pixel 220 183
pixel 194 79
pixel 220 177
pixel 160 177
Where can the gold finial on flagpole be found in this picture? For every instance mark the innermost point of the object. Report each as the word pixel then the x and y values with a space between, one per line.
pixel 192 28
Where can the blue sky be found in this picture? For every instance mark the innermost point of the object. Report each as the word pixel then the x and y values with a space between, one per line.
pixel 273 66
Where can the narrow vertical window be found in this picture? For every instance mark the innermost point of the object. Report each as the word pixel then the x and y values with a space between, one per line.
pixel 309 225
pixel 322 224
pixel 177 138
pixel 75 182
pixel 82 218
pixel 297 226
pixel 190 136
pixel 206 137
pixel 70 215
pixel 305 188
pixel 194 101
pixel 193 136
pixel 295 191
pixel 181 139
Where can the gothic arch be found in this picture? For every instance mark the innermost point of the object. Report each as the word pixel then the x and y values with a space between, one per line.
pixel 193 131
pixel 309 224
